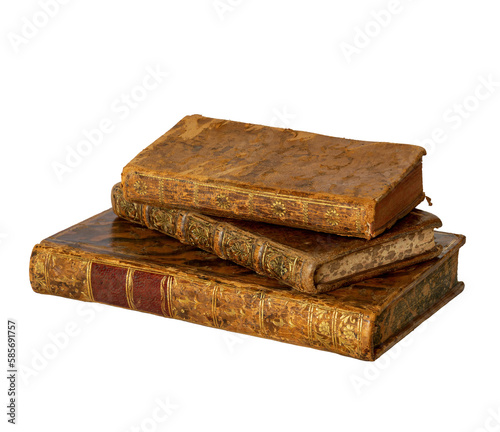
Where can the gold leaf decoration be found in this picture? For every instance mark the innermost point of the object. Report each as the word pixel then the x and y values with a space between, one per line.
pixel 324 328
pixel 38 274
pixel 277 264
pixel 348 327
pixel 164 220
pixel 124 207
pixel 332 217
pixel 278 209
pixel 198 234
pixel 348 332
pixel 237 247
pixel 240 252
pixel 222 201
pixel 140 187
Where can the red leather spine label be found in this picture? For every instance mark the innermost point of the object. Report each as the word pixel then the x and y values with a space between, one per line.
pixel 148 294
pixel 132 289
pixel 108 285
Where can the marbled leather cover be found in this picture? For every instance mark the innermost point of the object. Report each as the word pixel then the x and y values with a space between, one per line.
pixel 290 255
pixel 110 260
pixel 281 176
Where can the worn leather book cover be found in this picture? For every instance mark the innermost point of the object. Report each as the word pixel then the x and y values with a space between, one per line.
pixel 308 261
pixel 109 260
pixel 280 176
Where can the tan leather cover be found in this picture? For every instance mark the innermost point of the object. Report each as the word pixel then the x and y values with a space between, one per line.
pixel 294 256
pixel 113 261
pixel 280 176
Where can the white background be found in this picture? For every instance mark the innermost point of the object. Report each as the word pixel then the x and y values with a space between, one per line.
pixel 430 72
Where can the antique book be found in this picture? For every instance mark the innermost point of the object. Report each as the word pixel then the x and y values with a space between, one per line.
pixel 280 176
pixel 110 260
pixel 308 261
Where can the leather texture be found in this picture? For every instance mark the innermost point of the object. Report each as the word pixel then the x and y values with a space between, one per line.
pixel 280 176
pixel 294 256
pixel 113 261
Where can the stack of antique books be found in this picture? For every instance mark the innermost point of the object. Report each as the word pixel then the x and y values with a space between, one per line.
pixel 287 235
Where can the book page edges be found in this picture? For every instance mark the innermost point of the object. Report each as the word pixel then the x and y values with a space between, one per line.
pixel 329 275
pixel 395 338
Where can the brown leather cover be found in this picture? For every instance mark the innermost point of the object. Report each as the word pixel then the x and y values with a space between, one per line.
pixel 291 255
pixel 110 260
pixel 280 176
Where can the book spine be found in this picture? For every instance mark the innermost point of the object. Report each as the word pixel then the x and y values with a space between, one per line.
pixel 293 317
pixel 228 242
pixel 336 217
